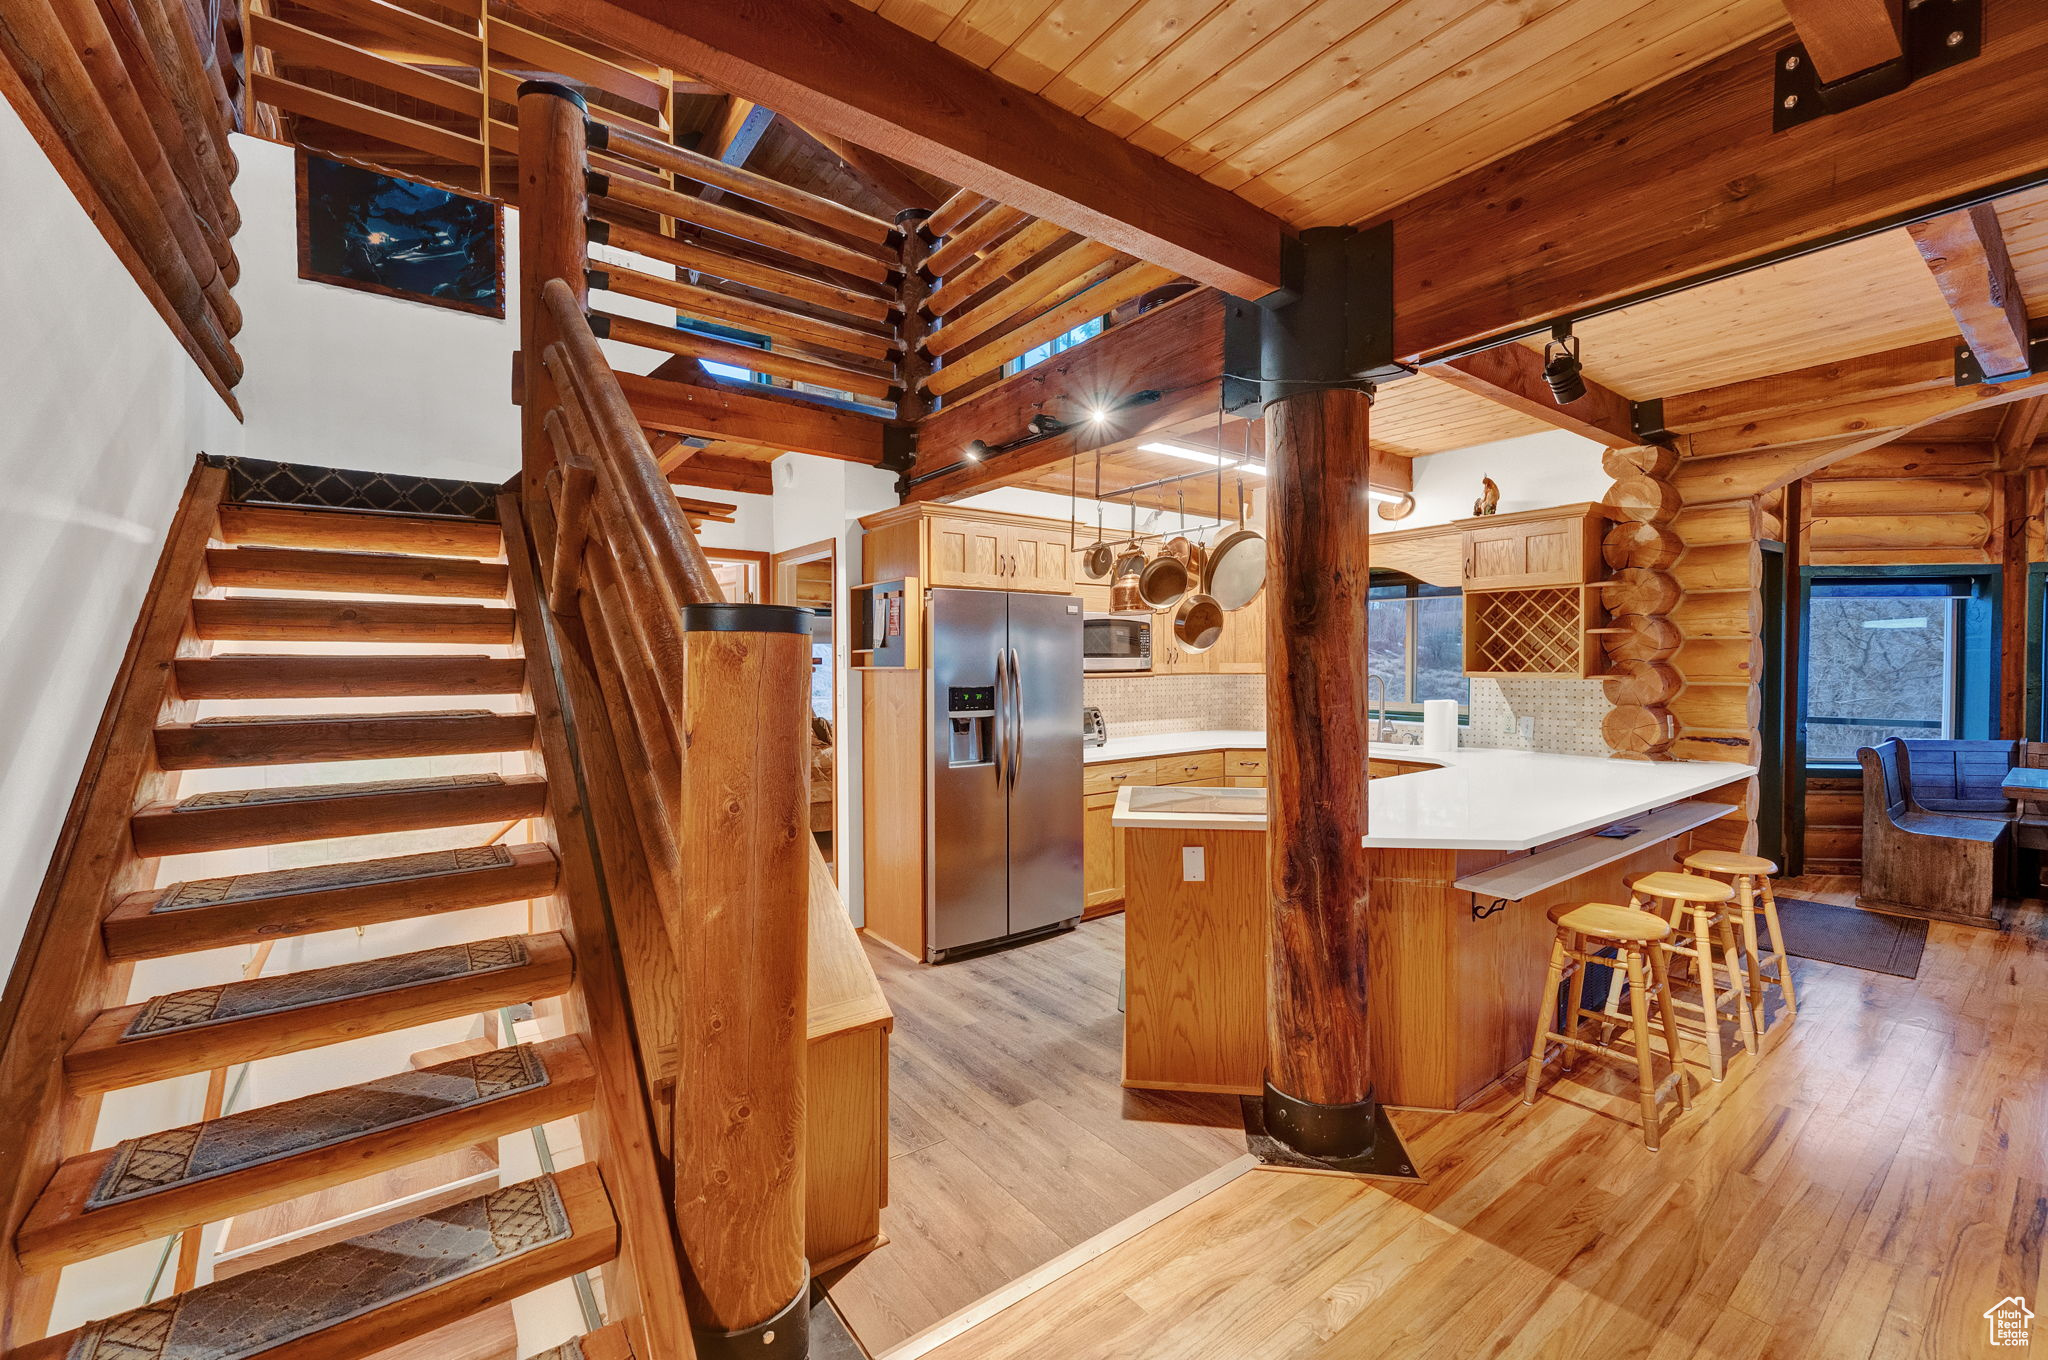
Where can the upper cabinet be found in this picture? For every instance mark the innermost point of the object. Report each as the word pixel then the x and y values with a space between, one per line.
pixel 975 549
pixel 1555 547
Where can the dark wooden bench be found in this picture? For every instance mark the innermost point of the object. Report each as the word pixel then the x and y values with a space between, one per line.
pixel 1933 844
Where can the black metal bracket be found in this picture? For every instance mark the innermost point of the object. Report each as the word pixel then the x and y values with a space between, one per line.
pixel 1482 910
pixel 1970 373
pixel 899 447
pixel 1646 419
pixel 596 136
pixel 596 183
pixel 1936 34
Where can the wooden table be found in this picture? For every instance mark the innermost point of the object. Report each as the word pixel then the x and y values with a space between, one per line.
pixel 2023 783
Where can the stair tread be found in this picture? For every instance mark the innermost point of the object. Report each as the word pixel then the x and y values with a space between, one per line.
pixel 317 619
pixel 301 793
pixel 204 1027
pixel 231 1001
pixel 355 572
pixel 415 535
pixel 205 913
pixel 202 1172
pixel 396 1282
pixel 238 818
pixel 286 675
pixel 302 738
pixel 271 883
pixel 288 719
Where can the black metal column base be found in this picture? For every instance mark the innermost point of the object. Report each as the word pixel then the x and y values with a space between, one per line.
pixel 1350 1140
pixel 785 1336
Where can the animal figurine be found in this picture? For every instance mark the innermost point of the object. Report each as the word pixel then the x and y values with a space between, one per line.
pixel 1489 498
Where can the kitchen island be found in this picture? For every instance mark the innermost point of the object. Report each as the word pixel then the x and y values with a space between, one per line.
pixel 1467 855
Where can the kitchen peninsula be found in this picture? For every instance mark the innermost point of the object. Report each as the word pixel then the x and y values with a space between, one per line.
pixel 1467 853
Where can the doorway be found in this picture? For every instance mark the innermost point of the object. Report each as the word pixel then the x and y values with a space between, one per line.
pixel 808 577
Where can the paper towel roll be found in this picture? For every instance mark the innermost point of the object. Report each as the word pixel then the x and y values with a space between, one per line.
pixel 1439 724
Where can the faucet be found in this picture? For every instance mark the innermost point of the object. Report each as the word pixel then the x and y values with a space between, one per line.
pixel 1383 730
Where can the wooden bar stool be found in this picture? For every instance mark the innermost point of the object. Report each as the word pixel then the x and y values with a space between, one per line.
pixel 1638 938
pixel 1697 908
pixel 1750 876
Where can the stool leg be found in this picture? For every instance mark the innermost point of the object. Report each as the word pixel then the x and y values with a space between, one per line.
pixel 1745 896
pixel 1710 1001
pixel 1639 1025
pixel 1745 1020
pixel 1543 1009
pixel 1575 997
pixel 1778 950
pixel 1660 983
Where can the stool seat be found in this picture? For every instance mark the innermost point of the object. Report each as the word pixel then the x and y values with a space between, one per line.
pixel 1682 887
pixel 1605 921
pixel 1729 862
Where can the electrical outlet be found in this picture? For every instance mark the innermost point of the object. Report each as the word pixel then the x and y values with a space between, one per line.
pixel 1528 730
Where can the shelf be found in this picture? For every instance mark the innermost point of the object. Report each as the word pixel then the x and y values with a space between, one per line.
pixel 1543 869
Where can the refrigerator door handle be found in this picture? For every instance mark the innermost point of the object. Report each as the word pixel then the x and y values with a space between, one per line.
pixel 1001 721
pixel 1016 719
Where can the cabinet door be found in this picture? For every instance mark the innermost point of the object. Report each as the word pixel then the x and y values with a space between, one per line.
pixel 1246 781
pixel 1546 552
pixel 1243 648
pixel 1042 559
pixel 968 552
pixel 1102 855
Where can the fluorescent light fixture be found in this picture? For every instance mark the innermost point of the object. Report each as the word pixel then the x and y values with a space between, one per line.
pixel 1384 497
pixel 1920 622
pixel 1202 456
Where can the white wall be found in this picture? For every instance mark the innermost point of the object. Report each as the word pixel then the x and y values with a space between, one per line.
pixel 1533 472
pixel 104 413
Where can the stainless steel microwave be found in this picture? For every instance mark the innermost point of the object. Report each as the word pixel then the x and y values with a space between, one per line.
pixel 1116 642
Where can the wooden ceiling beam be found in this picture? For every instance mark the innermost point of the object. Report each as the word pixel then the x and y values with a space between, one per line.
pixel 885 177
pixel 1512 376
pixel 724 472
pixel 1687 179
pixel 1843 37
pixel 1871 377
pixel 1966 251
pixel 2017 433
pixel 835 67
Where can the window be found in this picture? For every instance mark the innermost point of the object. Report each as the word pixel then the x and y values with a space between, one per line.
pixel 1415 641
pixel 1896 656
pixel 1087 330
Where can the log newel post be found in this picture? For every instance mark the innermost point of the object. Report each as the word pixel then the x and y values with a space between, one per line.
pixel 553 244
pixel 1319 352
pixel 743 939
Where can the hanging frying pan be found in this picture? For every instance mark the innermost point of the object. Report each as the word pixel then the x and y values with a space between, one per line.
pixel 1236 570
pixel 1198 623
pixel 1098 561
pixel 1164 580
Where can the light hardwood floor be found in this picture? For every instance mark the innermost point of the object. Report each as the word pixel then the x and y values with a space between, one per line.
pixel 1867 1189
pixel 1010 1139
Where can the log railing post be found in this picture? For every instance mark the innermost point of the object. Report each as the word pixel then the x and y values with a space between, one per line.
pixel 916 364
pixel 553 244
pixel 743 938
pixel 1316 357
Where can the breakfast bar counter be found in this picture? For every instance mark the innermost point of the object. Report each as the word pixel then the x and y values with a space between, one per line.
pixel 1466 857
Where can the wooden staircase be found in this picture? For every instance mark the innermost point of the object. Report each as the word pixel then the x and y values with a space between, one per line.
pixel 403 1279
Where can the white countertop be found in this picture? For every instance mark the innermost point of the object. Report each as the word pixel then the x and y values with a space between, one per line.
pixel 1172 744
pixel 1477 799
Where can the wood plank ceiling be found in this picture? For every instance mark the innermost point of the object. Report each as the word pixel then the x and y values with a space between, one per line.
pixel 1332 111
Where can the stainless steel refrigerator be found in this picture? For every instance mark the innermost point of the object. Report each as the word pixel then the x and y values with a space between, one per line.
pixel 1003 766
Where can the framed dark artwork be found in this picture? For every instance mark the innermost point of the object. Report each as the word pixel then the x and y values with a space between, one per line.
pixel 361 228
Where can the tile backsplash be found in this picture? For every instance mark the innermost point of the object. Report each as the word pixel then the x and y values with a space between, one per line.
pixel 1150 705
pixel 1567 713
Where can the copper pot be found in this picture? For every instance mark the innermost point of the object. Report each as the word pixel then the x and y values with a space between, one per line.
pixel 1186 551
pixel 1123 592
pixel 1164 580
pixel 1198 623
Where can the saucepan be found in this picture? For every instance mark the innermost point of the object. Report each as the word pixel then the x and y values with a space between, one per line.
pixel 1198 623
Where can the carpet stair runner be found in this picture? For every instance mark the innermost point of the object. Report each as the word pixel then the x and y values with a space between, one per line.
pixel 406 1278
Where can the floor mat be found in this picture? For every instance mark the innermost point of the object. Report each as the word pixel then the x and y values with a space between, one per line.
pixel 1849 936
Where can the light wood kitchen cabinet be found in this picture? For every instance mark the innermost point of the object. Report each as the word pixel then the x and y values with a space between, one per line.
pixel 1102 856
pixel 1196 767
pixel 1245 781
pixel 1244 764
pixel 1554 547
pixel 1109 776
pixel 1170 658
pixel 951 546
pixel 1243 648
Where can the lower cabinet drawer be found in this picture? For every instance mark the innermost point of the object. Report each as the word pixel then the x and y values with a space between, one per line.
pixel 1199 767
pixel 1244 764
pixel 1111 775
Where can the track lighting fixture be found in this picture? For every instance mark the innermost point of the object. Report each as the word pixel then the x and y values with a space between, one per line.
pixel 976 450
pixel 1561 369
pixel 1046 426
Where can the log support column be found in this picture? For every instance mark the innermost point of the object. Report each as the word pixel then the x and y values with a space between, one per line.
pixel 1318 356
pixel 553 244
pixel 743 945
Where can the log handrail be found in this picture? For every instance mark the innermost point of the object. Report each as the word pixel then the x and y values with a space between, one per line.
pixel 706 705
